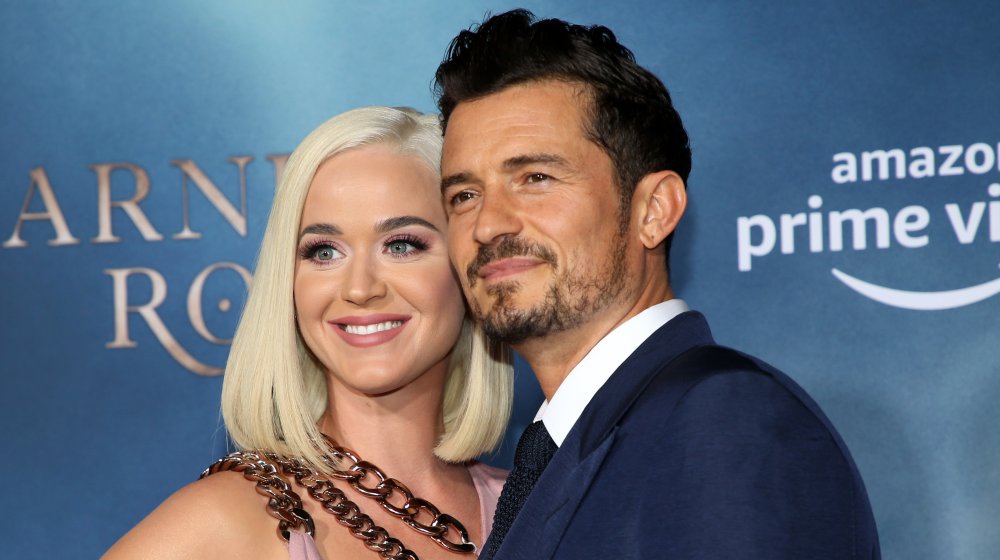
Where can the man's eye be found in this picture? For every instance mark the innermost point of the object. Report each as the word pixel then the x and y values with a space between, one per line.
pixel 537 178
pixel 463 196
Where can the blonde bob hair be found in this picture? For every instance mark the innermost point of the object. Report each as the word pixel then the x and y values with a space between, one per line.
pixel 274 391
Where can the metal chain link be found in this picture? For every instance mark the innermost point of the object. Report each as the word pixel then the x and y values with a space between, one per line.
pixel 384 491
pixel 282 502
pixel 285 505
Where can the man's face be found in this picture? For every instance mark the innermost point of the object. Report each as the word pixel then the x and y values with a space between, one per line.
pixel 533 212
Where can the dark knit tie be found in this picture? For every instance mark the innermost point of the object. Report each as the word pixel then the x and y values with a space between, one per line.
pixel 534 451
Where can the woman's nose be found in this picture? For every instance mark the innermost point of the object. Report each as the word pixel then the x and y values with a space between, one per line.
pixel 363 282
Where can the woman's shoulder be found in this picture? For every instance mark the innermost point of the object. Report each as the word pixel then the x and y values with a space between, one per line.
pixel 486 472
pixel 487 479
pixel 218 515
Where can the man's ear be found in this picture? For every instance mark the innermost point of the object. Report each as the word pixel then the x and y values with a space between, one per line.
pixel 659 199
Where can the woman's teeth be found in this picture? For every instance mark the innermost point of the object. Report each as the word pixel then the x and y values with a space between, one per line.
pixel 369 329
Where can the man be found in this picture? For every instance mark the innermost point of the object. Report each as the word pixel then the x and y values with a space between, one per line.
pixel 564 172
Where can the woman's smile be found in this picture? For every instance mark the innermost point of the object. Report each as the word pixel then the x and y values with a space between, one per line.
pixel 369 330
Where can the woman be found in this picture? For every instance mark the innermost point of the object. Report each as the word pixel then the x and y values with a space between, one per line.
pixel 356 330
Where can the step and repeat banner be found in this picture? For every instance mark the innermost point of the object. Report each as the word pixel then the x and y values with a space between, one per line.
pixel 844 225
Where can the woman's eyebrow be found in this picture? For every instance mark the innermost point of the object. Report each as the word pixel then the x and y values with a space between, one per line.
pixel 323 229
pixel 389 224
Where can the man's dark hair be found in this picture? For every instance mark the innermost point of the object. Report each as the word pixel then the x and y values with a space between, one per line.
pixel 631 115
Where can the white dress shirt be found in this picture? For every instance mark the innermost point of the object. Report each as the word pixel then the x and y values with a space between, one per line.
pixel 574 394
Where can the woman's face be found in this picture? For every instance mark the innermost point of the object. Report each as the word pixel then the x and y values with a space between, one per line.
pixel 376 298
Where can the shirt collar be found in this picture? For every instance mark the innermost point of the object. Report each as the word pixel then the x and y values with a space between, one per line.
pixel 587 377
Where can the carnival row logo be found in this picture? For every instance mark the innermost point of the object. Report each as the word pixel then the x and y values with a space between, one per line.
pixel 824 230
pixel 43 195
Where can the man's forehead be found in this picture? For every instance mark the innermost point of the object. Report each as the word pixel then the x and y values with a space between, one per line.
pixel 525 101
pixel 517 112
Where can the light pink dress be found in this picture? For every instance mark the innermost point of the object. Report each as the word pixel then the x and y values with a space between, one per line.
pixel 488 480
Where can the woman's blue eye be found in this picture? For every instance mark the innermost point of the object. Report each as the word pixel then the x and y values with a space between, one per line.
pixel 325 253
pixel 405 246
pixel 400 247
pixel 321 252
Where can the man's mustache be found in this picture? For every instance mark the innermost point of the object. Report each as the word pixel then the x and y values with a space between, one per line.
pixel 506 248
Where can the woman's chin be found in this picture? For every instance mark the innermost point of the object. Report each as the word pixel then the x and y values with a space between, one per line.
pixel 374 385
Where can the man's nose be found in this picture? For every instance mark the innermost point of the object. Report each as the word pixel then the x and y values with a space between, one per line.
pixel 497 217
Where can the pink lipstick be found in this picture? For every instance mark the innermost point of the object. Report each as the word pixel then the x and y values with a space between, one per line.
pixel 369 330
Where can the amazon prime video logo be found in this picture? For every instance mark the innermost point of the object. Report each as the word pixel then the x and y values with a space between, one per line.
pixel 819 230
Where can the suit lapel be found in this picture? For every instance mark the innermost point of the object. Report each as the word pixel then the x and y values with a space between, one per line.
pixel 686 331
pixel 542 521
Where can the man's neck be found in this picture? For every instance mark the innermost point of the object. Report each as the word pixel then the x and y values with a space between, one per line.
pixel 553 356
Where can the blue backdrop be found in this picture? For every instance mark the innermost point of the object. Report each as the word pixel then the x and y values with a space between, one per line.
pixel 844 225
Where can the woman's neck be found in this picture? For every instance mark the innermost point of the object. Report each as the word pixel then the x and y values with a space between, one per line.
pixel 396 431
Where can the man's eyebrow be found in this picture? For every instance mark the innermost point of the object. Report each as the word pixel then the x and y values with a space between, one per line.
pixel 454 179
pixel 323 229
pixel 529 159
pixel 389 224
pixel 508 164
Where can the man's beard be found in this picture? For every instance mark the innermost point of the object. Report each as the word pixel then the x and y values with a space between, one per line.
pixel 570 299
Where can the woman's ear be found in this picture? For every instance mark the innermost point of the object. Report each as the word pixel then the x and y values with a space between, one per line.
pixel 660 199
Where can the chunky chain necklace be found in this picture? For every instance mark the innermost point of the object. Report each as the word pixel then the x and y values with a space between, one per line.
pixel 262 468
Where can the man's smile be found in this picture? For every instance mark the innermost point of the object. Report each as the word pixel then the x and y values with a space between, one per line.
pixel 503 268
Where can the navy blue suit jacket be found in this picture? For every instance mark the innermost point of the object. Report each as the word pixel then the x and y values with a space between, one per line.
pixel 691 450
